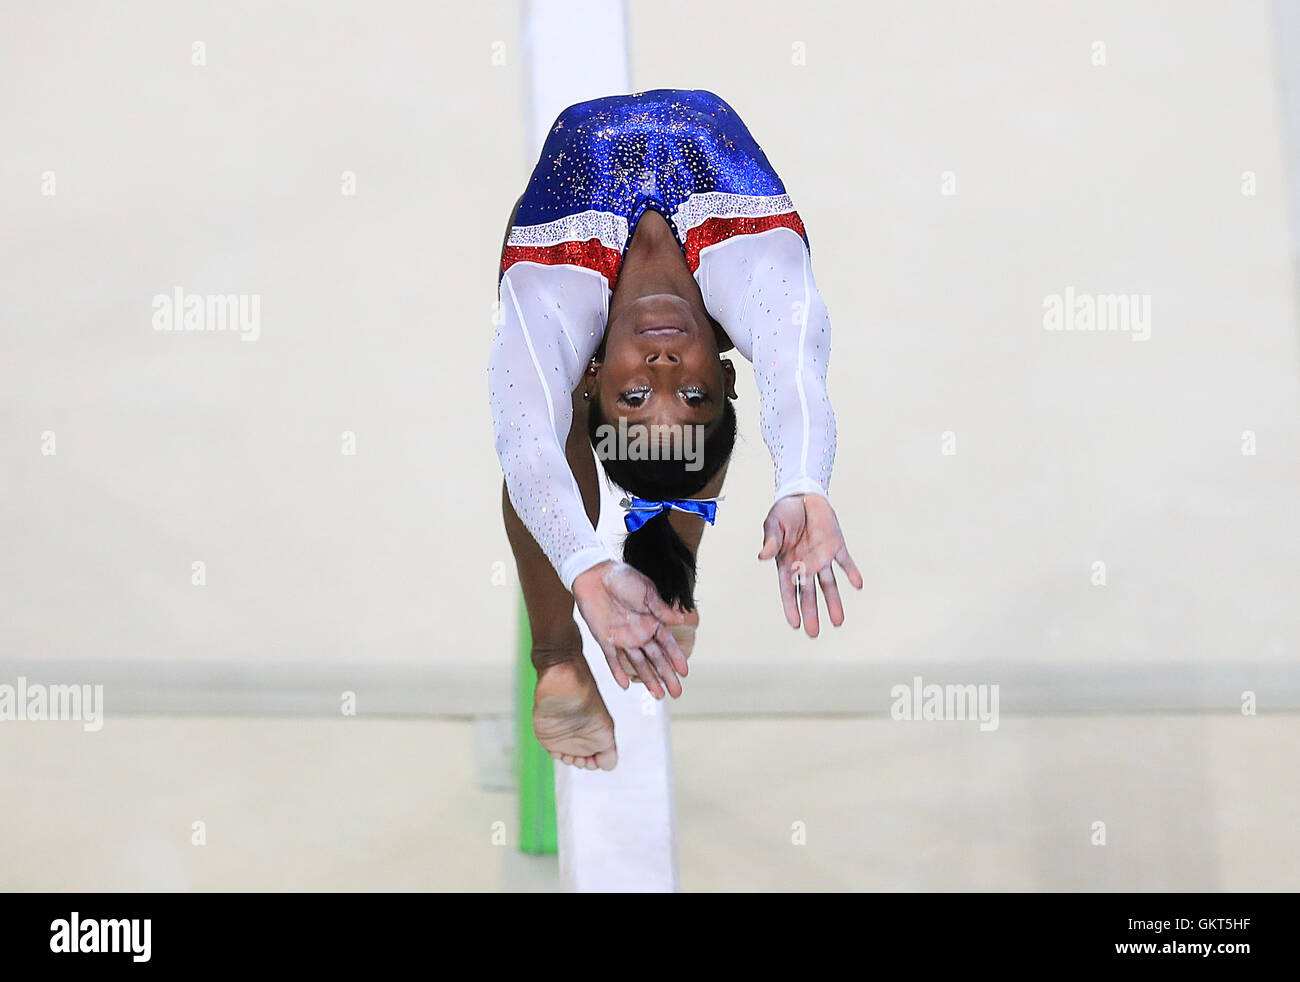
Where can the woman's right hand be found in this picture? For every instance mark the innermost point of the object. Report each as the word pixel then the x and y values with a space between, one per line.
pixel 685 635
pixel 624 611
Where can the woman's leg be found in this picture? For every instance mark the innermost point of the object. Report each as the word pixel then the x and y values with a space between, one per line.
pixel 569 716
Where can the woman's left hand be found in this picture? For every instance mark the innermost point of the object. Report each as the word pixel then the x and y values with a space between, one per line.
pixel 804 535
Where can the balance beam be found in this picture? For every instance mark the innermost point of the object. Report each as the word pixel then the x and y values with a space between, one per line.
pixel 615 830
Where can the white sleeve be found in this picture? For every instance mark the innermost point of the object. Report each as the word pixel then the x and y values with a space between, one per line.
pixel 760 288
pixel 551 323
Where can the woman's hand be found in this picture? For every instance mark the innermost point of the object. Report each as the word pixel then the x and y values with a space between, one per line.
pixel 683 632
pixel 804 535
pixel 624 611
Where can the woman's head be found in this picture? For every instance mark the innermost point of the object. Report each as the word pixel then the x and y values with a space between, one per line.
pixel 661 365
pixel 661 419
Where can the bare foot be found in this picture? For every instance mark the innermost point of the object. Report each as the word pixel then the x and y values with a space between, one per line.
pixel 684 633
pixel 570 718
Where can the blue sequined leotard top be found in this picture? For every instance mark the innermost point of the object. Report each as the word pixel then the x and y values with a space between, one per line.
pixel 687 155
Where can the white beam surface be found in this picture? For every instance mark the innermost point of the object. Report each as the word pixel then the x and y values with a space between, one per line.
pixel 616 828
pixel 573 50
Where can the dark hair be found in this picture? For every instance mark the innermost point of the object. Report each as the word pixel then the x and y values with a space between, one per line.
pixel 655 548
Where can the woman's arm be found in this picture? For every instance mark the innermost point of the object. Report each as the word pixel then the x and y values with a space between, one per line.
pixel 550 323
pixel 761 289
pixel 550 606
pixel 555 635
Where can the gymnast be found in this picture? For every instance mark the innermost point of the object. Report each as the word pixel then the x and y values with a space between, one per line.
pixel 652 237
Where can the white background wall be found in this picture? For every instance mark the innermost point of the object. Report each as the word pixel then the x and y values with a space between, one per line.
pixel 1070 448
pixel 373 572
pixel 376 319
pixel 376 315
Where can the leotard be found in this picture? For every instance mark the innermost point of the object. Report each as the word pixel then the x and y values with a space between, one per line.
pixel 687 155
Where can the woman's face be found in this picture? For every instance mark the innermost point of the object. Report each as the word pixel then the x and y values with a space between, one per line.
pixel 661 366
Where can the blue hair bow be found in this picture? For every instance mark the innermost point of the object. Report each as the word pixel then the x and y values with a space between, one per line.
pixel 641 510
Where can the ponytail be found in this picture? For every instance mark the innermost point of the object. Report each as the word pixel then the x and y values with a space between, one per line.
pixel 655 548
pixel 659 552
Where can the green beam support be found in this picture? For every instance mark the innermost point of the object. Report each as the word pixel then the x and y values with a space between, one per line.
pixel 534 767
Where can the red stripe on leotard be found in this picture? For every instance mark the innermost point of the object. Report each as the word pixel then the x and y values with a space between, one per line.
pixel 716 230
pixel 590 254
